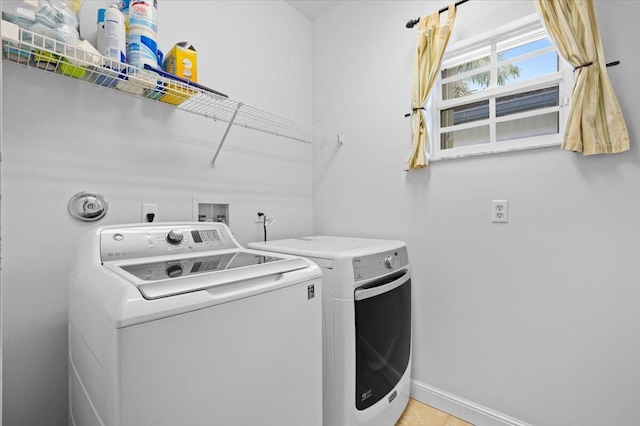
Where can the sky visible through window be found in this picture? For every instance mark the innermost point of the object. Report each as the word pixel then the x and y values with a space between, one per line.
pixel 528 69
pixel 534 67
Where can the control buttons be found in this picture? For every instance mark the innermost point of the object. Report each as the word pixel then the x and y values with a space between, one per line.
pixel 391 261
pixel 174 271
pixel 376 264
pixel 175 237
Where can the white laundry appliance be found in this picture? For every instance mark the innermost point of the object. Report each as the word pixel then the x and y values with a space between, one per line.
pixel 178 325
pixel 366 286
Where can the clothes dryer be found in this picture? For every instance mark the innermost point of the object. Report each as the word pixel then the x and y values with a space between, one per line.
pixel 366 325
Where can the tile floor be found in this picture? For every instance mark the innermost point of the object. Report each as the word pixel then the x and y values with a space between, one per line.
pixel 419 414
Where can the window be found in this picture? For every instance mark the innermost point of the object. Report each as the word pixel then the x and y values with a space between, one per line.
pixel 499 92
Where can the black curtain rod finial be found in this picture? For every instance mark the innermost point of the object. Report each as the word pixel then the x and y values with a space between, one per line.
pixel 412 23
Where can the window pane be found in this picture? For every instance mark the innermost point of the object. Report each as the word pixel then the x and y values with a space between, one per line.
pixel 464 114
pixel 545 124
pixel 459 138
pixel 466 86
pixel 512 52
pixel 467 66
pixel 530 68
pixel 527 101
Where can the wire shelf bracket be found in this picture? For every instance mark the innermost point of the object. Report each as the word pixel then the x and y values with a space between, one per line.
pixel 226 133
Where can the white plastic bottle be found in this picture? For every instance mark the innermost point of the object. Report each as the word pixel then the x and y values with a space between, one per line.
pixel 115 35
pixel 143 30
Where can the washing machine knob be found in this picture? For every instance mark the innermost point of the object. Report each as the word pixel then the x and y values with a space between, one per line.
pixel 175 237
pixel 391 261
pixel 174 271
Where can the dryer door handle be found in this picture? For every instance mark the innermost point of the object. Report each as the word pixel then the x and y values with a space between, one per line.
pixel 381 286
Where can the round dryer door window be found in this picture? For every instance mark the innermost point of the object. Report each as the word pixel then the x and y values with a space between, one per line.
pixel 383 337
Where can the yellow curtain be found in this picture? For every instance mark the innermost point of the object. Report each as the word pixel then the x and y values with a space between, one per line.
pixel 595 124
pixel 432 40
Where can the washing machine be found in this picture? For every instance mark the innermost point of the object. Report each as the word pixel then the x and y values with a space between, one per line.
pixel 366 326
pixel 177 324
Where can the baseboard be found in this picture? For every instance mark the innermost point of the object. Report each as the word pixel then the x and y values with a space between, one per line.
pixel 460 407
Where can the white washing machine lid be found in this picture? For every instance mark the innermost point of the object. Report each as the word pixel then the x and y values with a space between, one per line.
pixel 171 276
pixel 328 247
pixel 134 273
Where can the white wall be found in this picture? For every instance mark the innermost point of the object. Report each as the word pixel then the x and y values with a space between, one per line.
pixel 1 339
pixel 536 319
pixel 61 136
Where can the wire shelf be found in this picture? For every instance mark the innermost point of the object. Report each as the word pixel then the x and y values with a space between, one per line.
pixel 37 51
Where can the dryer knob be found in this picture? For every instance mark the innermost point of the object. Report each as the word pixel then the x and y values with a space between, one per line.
pixel 391 262
pixel 174 237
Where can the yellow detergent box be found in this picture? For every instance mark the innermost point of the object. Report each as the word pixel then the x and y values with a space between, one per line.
pixel 182 61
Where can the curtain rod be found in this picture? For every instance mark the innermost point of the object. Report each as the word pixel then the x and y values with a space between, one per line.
pixel 413 22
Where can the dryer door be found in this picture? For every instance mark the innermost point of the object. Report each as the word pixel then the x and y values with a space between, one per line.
pixel 383 336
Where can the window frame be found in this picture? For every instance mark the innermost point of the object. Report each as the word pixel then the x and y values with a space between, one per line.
pixel 516 33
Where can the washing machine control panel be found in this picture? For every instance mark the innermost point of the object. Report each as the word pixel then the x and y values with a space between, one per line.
pixel 374 265
pixel 148 241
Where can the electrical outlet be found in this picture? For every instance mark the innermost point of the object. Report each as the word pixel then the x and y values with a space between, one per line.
pixel 257 209
pixel 147 211
pixel 500 211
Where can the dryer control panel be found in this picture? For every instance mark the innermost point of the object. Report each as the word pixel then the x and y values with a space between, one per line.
pixel 159 240
pixel 375 265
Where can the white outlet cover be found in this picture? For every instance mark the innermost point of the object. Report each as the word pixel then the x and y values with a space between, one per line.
pixel 257 209
pixel 500 211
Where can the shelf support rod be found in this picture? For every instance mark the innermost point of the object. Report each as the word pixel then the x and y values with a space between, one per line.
pixel 226 132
